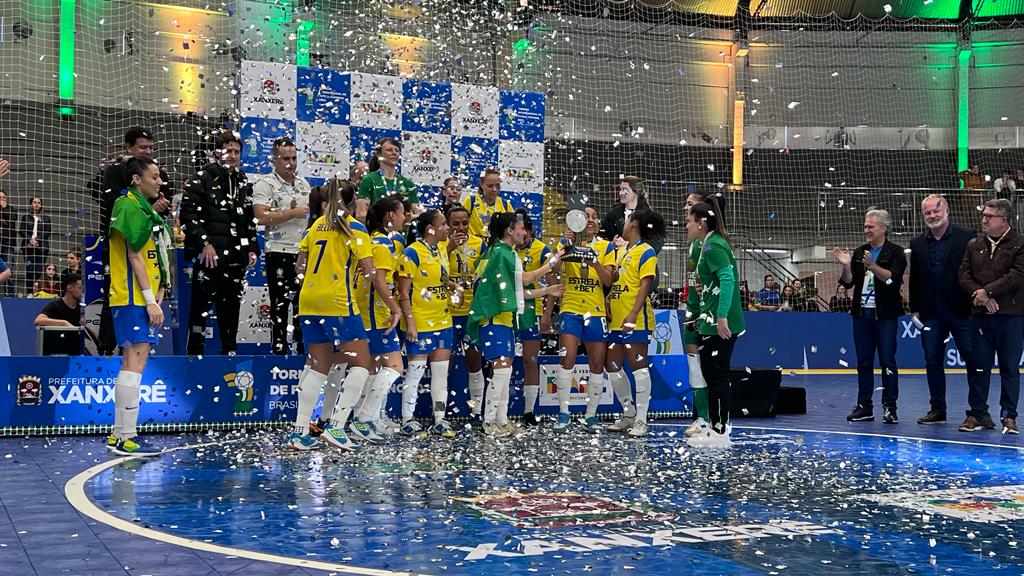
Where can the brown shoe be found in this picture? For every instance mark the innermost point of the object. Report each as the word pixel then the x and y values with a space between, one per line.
pixel 1010 426
pixel 971 424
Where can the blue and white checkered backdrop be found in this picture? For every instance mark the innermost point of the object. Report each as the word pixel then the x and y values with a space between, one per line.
pixel 336 118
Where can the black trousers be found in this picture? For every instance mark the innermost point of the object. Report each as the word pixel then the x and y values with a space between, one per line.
pixel 715 357
pixel 283 286
pixel 107 340
pixel 223 287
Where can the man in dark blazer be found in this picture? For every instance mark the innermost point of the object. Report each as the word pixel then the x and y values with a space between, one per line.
pixel 875 272
pixel 938 303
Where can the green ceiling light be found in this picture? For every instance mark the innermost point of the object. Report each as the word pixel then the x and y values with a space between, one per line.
pixel 522 46
pixel 66 69
pixel 302 42
pixel 963 115
pixel 948 9
pixel 1000 8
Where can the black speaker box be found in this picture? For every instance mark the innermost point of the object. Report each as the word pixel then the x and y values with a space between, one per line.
pixel 755 393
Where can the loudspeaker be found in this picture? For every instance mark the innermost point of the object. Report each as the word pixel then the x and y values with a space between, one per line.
pixel 792 400
pixel 755 393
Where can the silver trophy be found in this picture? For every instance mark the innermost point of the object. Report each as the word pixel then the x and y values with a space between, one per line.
pixel 576 220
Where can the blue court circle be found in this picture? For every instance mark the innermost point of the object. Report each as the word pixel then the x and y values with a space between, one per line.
pixel 779 502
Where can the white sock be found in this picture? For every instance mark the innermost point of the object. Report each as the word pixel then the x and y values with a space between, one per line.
pixel 501 418
pixel 126 404
pixel 476 392
pixel 643 393
pixel 376 395
pixel 439 388
pixel 351 390
pixel 492 394
pixel 309 390
pixel 595 386
pixel 411 391
pixel 623 391
pixel 563 380
pixel 335 376
pixel 530 393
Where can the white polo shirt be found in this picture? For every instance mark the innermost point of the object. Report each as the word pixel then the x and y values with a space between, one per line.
pixel 271 190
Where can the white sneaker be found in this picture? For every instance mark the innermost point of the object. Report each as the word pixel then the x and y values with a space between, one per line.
pixel 386 426
pixel 695 428
pixel 638 430
pixel 711 440
pixel 494 430
pixel 622 424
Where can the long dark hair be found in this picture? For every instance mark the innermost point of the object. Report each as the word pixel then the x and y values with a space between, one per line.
pixel 500 223
pixel 379 213
pixel 374 161
pixel 136 167
pixel 650 224
pixel 338 194
pixel 424 222
pixel 708 212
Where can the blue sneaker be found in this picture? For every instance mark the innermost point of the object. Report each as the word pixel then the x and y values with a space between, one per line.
pixel 592 425
pixel 414 429
pixel 304 442
pixel 336 437
pixel 562 422
pixel 136 447
pixel 365 431
pixel 443 429
pixel 476 423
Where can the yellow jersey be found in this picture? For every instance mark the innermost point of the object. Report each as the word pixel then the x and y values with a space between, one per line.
pixel 584 293
pixel 332 268
pixel 125 289
pixel 462 267
pixel 430 292
pixel 480 213
pixel 376 314
pixel 634 263
pixel 533 256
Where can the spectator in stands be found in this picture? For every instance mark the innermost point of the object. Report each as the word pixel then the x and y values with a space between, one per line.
pixel 768 296
pixel 875 272
pixel 114 181
pixel 1005 186
pixel 800 301
pixel 47 285
pixel 280 202
pixel 786 299
pixel 746 296
pixel 938 303
pixel 66 310
pixel 220 240
pixel 632 196
pixel 973 179
pixel 992 273
pixel 840 301
pixel 74 260
pixel 8 238
pixel 34 232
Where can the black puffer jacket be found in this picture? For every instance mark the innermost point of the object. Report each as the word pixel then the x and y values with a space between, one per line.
pixel 216 209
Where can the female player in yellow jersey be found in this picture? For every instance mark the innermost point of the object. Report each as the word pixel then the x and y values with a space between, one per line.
pixel 582 315
pixel 632 318
pixel 534 254
pixel 485 202
pixel 463 251
pixel 424 290
pixel 139 277
pixel 499 299
pixel 333 252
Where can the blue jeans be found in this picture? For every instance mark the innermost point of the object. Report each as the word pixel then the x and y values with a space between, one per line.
pixel 933 340
pixel 1001 334
pixel 871 335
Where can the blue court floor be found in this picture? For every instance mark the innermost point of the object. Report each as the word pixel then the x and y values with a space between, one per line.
pixel 796 495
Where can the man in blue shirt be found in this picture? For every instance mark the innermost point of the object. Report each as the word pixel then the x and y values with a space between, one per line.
pixel 768 297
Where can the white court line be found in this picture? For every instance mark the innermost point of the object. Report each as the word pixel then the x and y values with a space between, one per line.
pixel 876 435
pixel 74 491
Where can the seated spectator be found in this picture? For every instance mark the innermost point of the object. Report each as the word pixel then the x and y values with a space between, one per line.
pixel 48 284
pixel 802 301
pixel 1005 186
pixel 74 260
pixel 786 299
pixel 840 301
pixel 768 297
pixel 64 311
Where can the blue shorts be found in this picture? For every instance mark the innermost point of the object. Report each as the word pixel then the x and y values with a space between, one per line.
pixel 331 329
pixel 459 331
pixel 429 341
pixel 634 337
pixel 497 341
pixel 131 326
pixel 381 343
pixel 594 329
pixel 530 334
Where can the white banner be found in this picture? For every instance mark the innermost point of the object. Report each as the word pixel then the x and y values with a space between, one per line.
pixel 254 316
pixel 376 101
pixel 267 90
pixel 475 111
pixel 323 150
pixel 427 158
pixel 521 165
pixel 578 395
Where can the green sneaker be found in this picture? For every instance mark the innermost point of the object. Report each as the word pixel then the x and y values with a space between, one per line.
pixel 136 447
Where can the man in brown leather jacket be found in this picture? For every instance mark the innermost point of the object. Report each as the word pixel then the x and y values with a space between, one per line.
pixel 992 273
